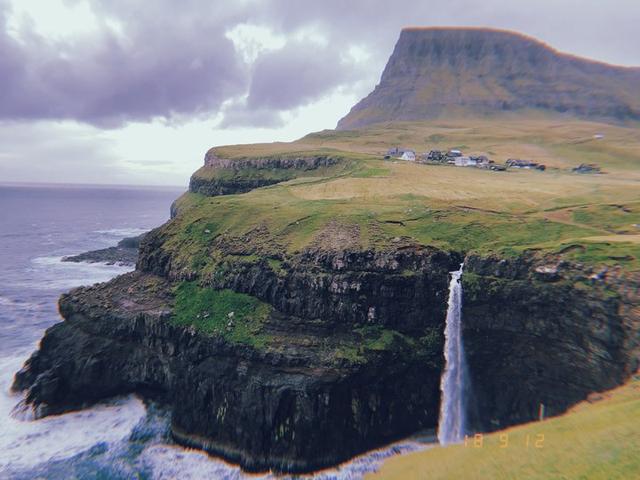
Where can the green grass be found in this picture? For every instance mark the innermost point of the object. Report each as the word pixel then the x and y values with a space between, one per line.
pixel 613 218
pixel 372 172
pixel 374 201
pixel 375 338
pixel 234 316
pixel 603 253
pixel 595 441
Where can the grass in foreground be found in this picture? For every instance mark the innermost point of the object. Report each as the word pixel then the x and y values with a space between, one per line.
pixel 599 440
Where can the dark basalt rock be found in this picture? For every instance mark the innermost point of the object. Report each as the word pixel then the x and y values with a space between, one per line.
pixel 246 174
pixel 296 405
pixel 300 403
pixel 212 188
pixel 532 341
pixel 125 253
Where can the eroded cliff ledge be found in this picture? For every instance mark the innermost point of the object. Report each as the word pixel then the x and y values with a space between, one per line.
pixel 290 334
pixel 350 355
pixel 224 176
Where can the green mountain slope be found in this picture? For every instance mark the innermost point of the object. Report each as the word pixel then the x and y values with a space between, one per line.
pixel 449 72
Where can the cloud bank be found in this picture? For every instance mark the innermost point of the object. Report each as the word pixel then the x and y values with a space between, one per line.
pixel 143 61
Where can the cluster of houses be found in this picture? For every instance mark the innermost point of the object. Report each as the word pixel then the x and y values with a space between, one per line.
pixel 450 157
pixel 457 158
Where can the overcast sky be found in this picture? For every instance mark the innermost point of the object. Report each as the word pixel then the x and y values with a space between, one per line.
pixel 135 92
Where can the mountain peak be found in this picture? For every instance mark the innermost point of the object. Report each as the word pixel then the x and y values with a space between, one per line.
pixel 438 71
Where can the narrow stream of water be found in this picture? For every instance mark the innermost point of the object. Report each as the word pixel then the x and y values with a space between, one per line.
pixel 451 427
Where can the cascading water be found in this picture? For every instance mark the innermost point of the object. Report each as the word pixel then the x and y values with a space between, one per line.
pixel 451 427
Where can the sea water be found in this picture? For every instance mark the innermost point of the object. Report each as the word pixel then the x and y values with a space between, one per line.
pixel 121 438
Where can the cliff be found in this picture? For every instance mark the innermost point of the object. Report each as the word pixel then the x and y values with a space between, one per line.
pixel 226 176
pixel 294 362
pixel 448 72
pixel 349 355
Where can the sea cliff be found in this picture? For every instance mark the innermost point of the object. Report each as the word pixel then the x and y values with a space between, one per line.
pixel 294 361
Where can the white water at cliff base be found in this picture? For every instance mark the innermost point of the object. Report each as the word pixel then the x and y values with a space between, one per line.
pixel 451 427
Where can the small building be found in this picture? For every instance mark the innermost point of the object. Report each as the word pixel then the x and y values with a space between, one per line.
pixel 436 156
pixel 586 168
pixel 526 164
pixel 465 162
pixel 482 161
pixel 454 153
pixel 397 151
pixel 408 155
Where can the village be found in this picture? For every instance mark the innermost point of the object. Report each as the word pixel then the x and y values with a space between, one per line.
pixel 459 159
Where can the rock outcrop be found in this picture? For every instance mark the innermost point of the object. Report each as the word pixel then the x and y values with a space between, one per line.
pixel 444 72
pixel 353 350
pixel 124 253
pixel 223 176
pixel 352 361
pixel 545 333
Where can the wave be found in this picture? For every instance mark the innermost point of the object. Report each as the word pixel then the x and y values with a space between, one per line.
pixel 22 304
pixel 9 302
pixel 29 443
pixel 171 461
pixel 50 272
pixel 122 232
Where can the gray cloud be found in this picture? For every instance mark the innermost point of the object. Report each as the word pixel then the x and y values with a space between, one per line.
pixel 282 80
pixel 53 153
pixel 165 66
pixel 296 74
pixel 240 115
pixel 174 61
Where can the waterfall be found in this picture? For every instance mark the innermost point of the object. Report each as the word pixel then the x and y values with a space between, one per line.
pixel 451 427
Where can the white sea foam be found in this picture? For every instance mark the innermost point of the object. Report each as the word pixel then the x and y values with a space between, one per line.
pixel 122 232
pixel 51 272
pixel 170 462
pixel 29 443
pixel 369 462
pixel 8 302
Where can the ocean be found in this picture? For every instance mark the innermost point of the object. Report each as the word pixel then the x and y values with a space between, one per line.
pixel 121 438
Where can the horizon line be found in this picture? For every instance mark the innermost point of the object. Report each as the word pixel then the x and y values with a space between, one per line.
pixel 10 183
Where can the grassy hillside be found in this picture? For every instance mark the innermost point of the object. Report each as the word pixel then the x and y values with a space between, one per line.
pixel 436 72
pixel 368 202
pixel 598 440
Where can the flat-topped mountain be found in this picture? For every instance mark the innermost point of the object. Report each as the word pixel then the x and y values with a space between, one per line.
pixel 443 72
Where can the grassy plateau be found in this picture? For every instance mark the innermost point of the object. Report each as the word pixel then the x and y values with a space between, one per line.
pixel 367 202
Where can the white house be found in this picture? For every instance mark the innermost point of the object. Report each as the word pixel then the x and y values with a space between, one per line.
pixel 409 155
pixel 465 162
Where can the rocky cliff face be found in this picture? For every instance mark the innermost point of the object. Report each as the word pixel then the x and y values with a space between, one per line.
pixel 440 72
pixel 545 333
pixel 223 176
pixel 353 357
